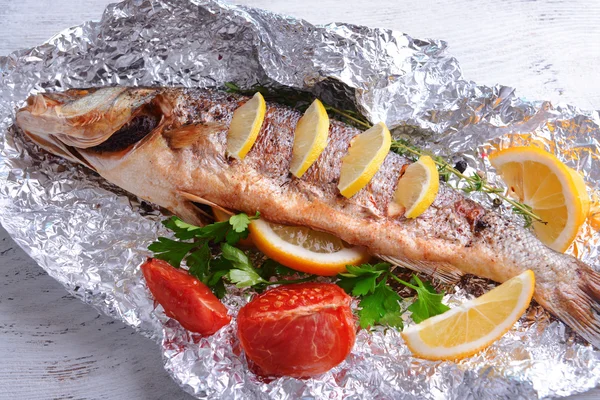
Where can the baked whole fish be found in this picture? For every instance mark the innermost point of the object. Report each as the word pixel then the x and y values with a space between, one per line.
pixel 168 146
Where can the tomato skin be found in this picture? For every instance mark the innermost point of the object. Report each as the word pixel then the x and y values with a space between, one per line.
pixel 185 298
pixel 299 330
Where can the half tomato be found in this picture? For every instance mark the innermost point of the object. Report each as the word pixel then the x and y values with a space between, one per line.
pixel 299 330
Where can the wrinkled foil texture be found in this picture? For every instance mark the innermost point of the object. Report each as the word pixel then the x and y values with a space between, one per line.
pixel 92 236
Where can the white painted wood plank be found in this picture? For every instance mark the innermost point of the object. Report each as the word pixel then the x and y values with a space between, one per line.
pixel 53 346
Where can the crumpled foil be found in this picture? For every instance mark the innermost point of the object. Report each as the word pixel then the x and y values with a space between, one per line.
pixel 92 236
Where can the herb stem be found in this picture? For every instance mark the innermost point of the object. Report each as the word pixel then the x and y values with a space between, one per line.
pixel 288 281
pixel 347 115
pixel 410 285
pixel 485 187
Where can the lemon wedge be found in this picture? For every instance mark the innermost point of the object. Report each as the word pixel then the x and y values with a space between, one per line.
pixel 366 154
pixel 555 192
pixel 310 138
pixel 418 187
pixel 474 325
pixel 304 249
pixel 245 125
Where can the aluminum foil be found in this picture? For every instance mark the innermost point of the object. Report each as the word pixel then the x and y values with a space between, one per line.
pixel 92 236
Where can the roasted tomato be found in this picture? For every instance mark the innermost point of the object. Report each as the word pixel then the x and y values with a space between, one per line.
pixel 298 330
pixel 185 298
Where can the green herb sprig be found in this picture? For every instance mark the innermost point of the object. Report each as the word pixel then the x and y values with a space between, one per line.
pixel 474 183
pixel 380 303
pixel 211 255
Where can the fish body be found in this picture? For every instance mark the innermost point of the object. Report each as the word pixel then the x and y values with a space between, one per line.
pixel 168 146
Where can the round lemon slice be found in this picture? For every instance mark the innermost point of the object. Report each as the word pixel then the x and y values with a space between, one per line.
pixel 304 249
pixel 245 125
pixel 474 325
pixel 310 138
pixel 555 192
pixel 418 187
pixel 365 155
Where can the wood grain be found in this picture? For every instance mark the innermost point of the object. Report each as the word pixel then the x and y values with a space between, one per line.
pixel 52 346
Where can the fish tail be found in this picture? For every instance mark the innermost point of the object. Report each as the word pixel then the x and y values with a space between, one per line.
pixel 578 304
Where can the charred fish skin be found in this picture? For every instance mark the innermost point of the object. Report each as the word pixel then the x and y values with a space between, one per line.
pixel 168 146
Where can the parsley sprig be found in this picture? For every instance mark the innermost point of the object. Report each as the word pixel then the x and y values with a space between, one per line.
pixel 211 255
pixel 380 303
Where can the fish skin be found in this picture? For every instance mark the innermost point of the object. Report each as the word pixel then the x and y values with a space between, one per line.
pixel 186 154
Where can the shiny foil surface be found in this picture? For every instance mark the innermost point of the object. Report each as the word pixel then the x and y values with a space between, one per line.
pixel 92 236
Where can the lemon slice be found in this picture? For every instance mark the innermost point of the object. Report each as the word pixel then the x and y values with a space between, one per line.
pixel 365 155
pixel 418 187
pixel 245 125
pixel 556 193
pixel 310 138
pixel 304 249
pixel 474 325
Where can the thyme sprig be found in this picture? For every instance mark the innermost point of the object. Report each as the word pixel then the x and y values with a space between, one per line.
pixel 473 183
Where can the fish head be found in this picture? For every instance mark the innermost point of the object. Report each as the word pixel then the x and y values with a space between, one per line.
pixel 79 119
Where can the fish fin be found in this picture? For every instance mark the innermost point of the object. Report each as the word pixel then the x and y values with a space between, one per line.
pixel 191 214
pixel 38 104
pixel 443 271
pixel 187 135
pixel 578 304
pixel 201 200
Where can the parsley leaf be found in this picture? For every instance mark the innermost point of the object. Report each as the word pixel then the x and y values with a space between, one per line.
pixel 367 269
pixel 270 268
pixel 198 262
pixel 219 288
pixel 381 306
pixel 182 230
pixel 361 280
pixel 243 273
pixel 238 258
pixel 213 269
pixel 364 286
pixel 215 232
pixel 428 303
pixel 232 237
pixel 244 278
pixel 239 224
pixel 170 250
pixel 232 230
pixel 241 221
pixel 220 268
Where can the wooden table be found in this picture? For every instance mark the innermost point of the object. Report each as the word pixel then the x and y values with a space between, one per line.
pixel 52 346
